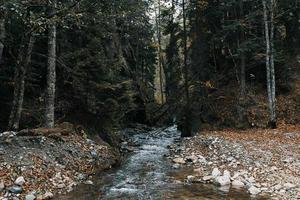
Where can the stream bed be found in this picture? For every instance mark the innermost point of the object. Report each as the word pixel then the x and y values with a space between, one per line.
pixel 147 174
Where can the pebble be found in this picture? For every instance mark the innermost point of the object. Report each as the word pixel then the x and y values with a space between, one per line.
pixel 225 188
pixel 94 154
pixel 222 180
pixel 30 197
pixel 20 181
pixel 251 179
pixel 259 174
pixel 47 195
pixel 179 160
pixel 254 190
pixel 192 158
pixel 2 186
pixel 89 182
pixel 237 184
pixel 15 189
pixel 278 187
pixel 289 185
pixel 198 171
pixel 207 178
pixel 227 174
pixel 176 166
pixel 216 172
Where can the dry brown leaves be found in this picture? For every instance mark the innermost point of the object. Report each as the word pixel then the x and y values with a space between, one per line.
pixel 284 134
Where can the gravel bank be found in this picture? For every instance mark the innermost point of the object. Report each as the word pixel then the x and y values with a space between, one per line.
pixel 40 163
pixel 265 162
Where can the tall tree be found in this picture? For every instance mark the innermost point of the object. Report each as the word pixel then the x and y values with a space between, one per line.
pixel 172 68
pixel 186 132
pixel 160 56
pixel 51 69
pixel 242 53
pixel 268 12
pixel 22 64
pixel 2 33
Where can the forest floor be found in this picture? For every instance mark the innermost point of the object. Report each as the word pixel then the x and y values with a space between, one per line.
pixel 265 162
pixel 40 163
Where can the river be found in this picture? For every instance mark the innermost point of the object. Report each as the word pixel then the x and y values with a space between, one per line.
pixel 147 174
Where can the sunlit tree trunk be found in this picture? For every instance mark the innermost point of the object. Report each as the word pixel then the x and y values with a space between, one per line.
pixel 23 61
pixel 51 72
pixel 270 69
pixel 272 60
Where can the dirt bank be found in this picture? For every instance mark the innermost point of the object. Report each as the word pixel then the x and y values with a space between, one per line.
pixel 40 163
pixel 265 162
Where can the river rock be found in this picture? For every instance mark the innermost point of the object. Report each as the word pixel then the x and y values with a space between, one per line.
pixel 176 166
pixel 94 154
pixel 47 195
pixel 179 160
pixel 190 177
pixel 222 180
pixel 15 189
pixel 193 179
pixel 60 186
pixel 80 177
pixel 235 176
pixel 230 159
pixel 288 160
pixel 278 187
pixel 251 179
pixel 191 158
pixel 30 197
pixel 227 173
pixel 254 190
pixel 20 181
pixel 289 185
pixel 216 172
pixel 89 182
pixel 2 186
pixel 207 178
pixel 237 184
pixel 225 188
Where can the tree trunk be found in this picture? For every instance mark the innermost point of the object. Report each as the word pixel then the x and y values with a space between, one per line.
pixel 160 64
pixel 269 35
pixel 2 35
pixel 272 64
pixel 242 56
pixel 51 73
pixel 186 132
pixel 24 59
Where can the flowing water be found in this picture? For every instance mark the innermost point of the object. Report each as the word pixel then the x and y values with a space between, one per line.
pixel 148 174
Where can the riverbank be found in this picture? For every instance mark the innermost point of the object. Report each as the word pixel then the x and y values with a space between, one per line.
pixel 41 163
pixel 265 162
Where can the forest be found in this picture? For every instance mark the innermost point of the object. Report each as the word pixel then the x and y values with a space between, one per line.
pixel 172 99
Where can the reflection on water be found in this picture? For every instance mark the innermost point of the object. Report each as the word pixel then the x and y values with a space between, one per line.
pixel 147 174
